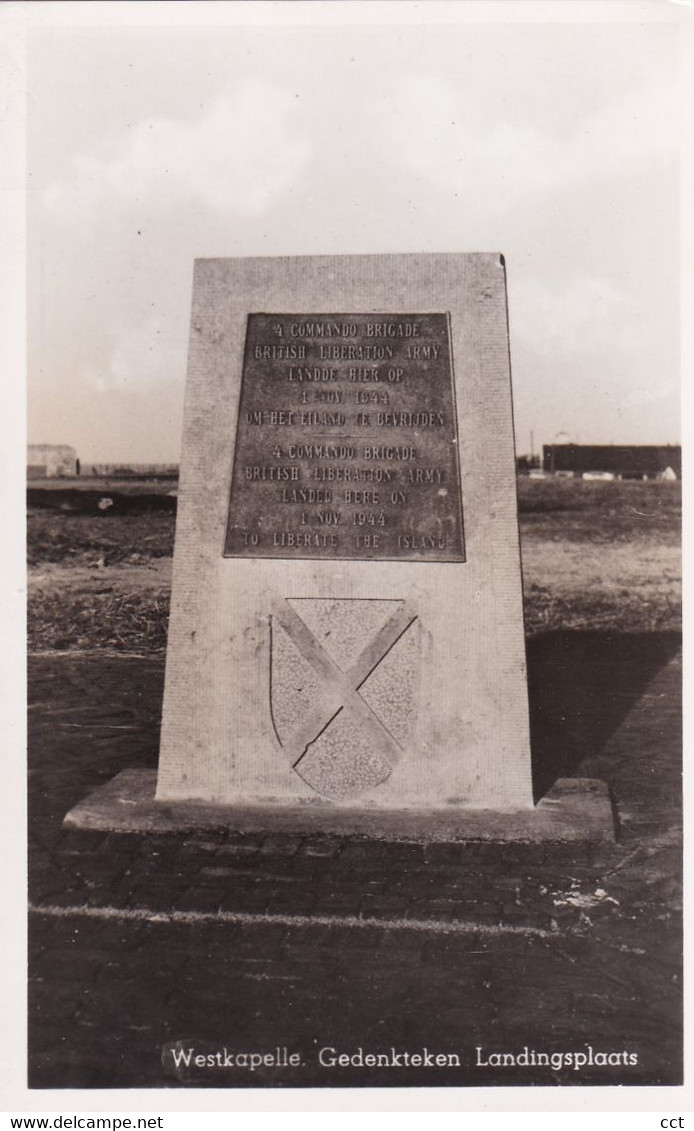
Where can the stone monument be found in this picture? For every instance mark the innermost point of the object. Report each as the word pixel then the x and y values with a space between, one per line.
pixel 346 648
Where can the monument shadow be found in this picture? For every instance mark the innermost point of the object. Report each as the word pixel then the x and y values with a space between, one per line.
pixel 581 686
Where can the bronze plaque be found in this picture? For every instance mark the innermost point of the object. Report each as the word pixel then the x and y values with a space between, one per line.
pixel 346 443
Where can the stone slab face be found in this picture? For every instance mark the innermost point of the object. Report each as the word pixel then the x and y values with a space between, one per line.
pixel 575 811
pixel 346 627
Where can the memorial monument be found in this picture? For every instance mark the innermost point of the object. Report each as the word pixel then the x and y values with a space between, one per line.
pixel 346 648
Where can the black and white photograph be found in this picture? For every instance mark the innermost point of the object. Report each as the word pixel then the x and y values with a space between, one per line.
pixel 353 502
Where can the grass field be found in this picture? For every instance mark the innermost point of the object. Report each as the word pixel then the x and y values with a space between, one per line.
pixel 595 556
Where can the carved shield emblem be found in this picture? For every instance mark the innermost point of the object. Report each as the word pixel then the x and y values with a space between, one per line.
pixel 343 683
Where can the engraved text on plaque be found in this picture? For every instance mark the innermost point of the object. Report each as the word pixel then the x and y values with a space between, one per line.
pixel 346 444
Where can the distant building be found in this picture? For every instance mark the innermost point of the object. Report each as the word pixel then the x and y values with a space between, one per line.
pixel 633 461
pixel 131 470
pixel 51 461
pixel 526 464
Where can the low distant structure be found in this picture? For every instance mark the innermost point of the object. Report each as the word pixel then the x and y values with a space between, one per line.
pixel 131 470
pixel 52 461
pixel 525 465
pixel 615 461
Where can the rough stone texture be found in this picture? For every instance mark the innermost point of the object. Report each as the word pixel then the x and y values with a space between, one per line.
pixel 295 685
pixel 392 688
pixel 343 712
pixel 342 627
pixel 464 743
pixel 344 760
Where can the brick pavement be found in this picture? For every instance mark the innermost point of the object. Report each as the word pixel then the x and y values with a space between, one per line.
pixel 249 942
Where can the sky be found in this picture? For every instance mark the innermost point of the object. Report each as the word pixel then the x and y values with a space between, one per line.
pixel 555 143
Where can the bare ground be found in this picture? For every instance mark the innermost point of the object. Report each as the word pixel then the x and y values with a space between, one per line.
pixel 551 950
pixel 596 556
pixel 137 942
